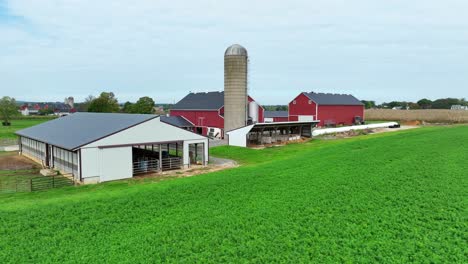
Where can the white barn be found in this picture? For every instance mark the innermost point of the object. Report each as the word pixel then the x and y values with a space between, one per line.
pixel 99 147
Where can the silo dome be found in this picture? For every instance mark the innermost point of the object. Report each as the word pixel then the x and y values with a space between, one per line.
pixel 235 50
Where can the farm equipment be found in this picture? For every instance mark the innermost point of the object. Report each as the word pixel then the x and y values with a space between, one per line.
pixel 358 120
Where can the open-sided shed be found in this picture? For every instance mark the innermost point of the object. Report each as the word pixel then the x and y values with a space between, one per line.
pixel 99 147
pixel 270 133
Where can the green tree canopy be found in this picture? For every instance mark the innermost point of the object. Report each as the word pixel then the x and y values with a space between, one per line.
pixel 368 104
pixel 144 105
pixel 445 103
pixel 425 103
pixel 8 108
pixel 105 103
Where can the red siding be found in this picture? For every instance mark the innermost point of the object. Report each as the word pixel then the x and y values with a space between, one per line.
pixel 302 107
pixel 280 119
pixel 201 118
pixel 339 114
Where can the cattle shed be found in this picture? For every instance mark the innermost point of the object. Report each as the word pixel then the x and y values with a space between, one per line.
pixel 270 133
pixel 100 147
pixel 330 109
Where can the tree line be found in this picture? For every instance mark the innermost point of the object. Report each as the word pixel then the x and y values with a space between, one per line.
pixel 442 103
pixel 106 102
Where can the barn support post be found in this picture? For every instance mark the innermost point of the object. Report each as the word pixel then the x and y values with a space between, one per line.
pixel 176 149
pixel 196 152
pixel 160 157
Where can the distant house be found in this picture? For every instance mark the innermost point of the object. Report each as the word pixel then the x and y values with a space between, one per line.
pixel 206 112
pixel 57 108
pixel 99 147
pixel 459 107
pixel 330 109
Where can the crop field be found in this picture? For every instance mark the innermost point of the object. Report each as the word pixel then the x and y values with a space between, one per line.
pixel 392 197
pixel 426 115
pixel 8 132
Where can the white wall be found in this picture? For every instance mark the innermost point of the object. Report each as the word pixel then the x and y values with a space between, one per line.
pixel 317 132
pixel 238 137
pixel 90 165
pixel 151 131
pixel 303 118
pixel 116 163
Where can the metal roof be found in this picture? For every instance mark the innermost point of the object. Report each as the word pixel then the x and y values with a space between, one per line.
pixel 78 129
pixel 270 114
pixel 177 121
pixel 333 99
pixel 201 101
pixel 235 50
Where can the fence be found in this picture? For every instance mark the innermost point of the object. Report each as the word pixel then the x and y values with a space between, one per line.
pixel 171 163
pixel 33 184
pixel 145 166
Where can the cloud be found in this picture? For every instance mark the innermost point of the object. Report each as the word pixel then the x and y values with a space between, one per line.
pixel 166 48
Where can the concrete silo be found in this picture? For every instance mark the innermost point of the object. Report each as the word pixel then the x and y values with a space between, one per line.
pixel 235 87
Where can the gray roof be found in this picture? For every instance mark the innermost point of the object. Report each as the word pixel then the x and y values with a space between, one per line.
pixel 235 50
pixel 270 114
pixel 201 101
pixel 177 121
pixel 78 129
pixel 333 99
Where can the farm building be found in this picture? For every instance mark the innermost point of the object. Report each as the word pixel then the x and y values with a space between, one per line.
pixel 276 116
pixel 99 147
pixel 330 109
pixel 206 112
pixel 270 133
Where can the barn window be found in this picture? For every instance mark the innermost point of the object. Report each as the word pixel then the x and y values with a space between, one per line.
pixel 294 102
pixel 310 101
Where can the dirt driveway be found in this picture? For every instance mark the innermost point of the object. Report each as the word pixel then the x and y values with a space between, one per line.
pixel 12 161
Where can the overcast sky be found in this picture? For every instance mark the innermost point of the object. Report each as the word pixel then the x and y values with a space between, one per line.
pixel 374 49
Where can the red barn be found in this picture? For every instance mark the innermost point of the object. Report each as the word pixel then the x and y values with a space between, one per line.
pixel 206 112
pixel 330 109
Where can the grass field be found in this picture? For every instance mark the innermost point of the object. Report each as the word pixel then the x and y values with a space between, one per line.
pixel 391 197
pixel 7 132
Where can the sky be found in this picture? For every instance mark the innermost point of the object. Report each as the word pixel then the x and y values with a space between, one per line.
pixel 379 50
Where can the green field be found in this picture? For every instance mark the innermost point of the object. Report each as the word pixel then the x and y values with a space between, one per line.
pixel 7 132
pixel 392 197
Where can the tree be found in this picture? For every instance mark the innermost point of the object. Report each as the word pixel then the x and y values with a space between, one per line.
pixel 144 105
pixel 445 103
pixel 368 104
pixel 105 103
pixel 127 107
pixel 83 107
pixel 413 106
pixel 8 109
pixel 425 103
